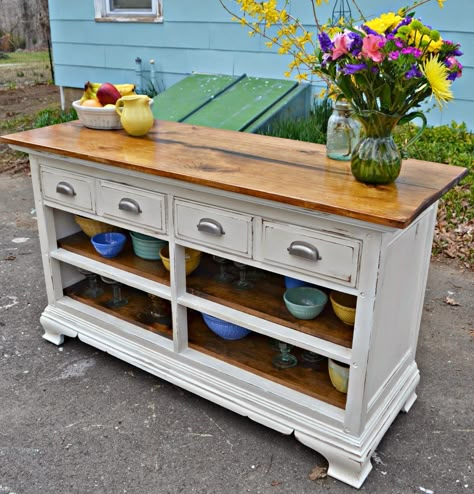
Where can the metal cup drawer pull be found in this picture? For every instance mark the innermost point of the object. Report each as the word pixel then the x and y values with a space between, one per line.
pixel 208 225
pixel 65 189
pixel 129 205
pixel 304 250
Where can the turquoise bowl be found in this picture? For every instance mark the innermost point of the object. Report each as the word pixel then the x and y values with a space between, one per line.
pixel 305 302
pixel 147 247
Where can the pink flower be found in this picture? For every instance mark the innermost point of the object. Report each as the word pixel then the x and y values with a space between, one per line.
pixel 340 46
pixel 371 47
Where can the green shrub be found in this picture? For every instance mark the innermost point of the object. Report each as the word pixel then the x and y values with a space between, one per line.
pixel 51 117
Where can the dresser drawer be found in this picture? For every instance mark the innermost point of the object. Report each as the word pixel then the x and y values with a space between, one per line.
pixel 132 205
pixel 214 227
pixel 308 251
pixel 70 189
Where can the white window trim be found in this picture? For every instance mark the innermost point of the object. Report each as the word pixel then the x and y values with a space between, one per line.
pixel 103 13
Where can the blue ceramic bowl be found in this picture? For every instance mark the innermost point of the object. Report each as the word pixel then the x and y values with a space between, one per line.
pixel 293 282
pixel 147 247
pixel 305 302
pixel 109 244
pixel 224 329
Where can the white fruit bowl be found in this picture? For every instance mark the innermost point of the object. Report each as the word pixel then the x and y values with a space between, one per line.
pixel 97 118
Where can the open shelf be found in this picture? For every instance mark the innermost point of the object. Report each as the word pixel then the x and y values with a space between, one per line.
pixel 254 353
pixel 136 311
pixel 79 243
pixel 265 300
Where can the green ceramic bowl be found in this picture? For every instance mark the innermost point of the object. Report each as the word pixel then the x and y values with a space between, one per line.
pixel 305 302
pixel 147 247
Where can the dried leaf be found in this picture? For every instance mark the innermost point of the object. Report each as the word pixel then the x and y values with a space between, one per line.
pixel 451 301
pixel 318 473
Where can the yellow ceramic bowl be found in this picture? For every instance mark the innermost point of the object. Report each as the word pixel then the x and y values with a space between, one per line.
pixel 339 375
pixel 93 227
pixel 192 256
pixel 344 306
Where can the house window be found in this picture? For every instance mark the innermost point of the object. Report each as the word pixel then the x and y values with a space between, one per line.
pixel 128 10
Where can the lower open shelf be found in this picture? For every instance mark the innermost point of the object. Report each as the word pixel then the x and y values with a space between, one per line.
pixel 255 352
pixel 136 310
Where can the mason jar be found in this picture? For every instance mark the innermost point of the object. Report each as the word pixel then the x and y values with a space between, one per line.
pixel 343 132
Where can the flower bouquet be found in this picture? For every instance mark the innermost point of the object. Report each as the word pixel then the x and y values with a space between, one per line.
pixel 384 67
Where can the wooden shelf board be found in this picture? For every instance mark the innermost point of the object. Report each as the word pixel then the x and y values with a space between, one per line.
pixel 135 311
pixel 265 300
pixel 79 243
pixel 254 353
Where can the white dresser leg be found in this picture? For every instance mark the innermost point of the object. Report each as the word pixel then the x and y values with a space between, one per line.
pixel 54 331
pixel 409 403
pixel 57 339
pixel 344 466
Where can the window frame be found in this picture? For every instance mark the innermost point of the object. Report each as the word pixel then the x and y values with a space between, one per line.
pixel 103 13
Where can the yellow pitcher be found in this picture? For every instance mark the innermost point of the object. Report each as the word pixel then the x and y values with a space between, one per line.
pixel 135 114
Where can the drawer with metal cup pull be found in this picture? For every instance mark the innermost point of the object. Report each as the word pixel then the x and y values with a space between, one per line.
pixel 66 188
pixel 213 226
pixel 331 256
pixel 132 205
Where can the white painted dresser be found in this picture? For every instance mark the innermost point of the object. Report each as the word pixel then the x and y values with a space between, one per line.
pixel 276 205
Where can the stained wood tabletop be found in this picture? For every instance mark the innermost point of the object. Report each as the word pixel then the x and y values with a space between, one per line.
pixel 290 172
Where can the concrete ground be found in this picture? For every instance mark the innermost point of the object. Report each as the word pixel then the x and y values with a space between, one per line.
pixel 76 420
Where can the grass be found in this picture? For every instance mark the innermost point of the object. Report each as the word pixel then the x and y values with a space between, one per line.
pixel 36 120
pixel 451 144
pixel 22 68
pixel 25 57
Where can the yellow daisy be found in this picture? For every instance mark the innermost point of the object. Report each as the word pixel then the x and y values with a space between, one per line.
pixel 436 74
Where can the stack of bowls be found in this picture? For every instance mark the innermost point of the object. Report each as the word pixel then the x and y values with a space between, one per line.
pixel 147 247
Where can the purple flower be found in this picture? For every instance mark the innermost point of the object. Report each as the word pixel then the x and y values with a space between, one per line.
pixel 354 44
pixel 455 68
pixel 413 72
pixel 416 52
pixel 370 31
pixel 398 43
pixel 325 42
pixel 404 22
pixel 326 58
pixel 352 68
pixel 393 55
pixel 453 50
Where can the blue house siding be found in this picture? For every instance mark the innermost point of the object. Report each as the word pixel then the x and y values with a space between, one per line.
pixel 198 36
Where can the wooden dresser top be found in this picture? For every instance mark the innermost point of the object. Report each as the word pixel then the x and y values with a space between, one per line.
pixel 282 170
